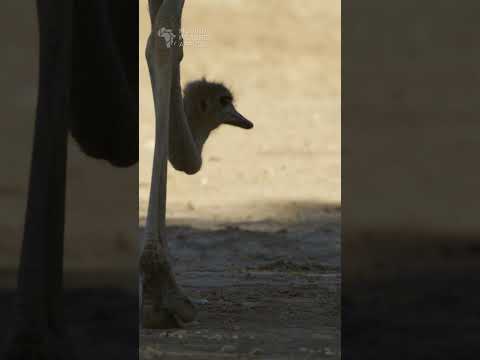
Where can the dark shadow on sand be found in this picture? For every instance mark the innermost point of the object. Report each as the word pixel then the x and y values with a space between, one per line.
pixel 102 321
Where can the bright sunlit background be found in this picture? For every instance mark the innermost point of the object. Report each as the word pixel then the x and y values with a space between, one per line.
pixel 282 60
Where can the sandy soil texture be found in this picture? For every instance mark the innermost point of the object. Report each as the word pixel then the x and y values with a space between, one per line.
pixel 271 294
pixel 257 231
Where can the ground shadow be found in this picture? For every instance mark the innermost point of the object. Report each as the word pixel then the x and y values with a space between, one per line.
pixel 415 286
pixel 271 285
pixel 102 321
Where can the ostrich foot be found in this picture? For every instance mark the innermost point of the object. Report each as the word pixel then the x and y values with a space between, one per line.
pixel 174 315
pixel 179 305
pixel 38 344
pixel 167 309
pixel 164 304
pixel 160 319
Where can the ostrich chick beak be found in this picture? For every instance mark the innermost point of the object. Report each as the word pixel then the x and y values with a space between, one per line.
pixel 234 118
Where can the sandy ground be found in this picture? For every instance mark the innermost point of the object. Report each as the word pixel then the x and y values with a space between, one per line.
pixel 257 231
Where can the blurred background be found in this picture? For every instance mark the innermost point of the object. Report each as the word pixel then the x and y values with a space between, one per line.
pixel 410 145
pixel 410 141
pixel 101 229
pixel 99 195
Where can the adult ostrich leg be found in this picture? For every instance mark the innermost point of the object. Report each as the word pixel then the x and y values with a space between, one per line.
pixel 183 125
pixel 39 330
pixel 162 302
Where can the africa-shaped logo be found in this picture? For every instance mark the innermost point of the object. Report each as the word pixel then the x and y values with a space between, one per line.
pixel 167 35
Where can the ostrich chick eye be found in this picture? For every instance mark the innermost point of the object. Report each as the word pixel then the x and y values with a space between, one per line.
pixel 225 100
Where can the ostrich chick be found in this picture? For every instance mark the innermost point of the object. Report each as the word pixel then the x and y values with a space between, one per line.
pixel 207 105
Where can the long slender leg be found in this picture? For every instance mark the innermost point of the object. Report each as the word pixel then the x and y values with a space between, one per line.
pixel 158 280
pixel 170 8
pixel 154 252
pixel 153 7
pixel 184 153
pixel 39 328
